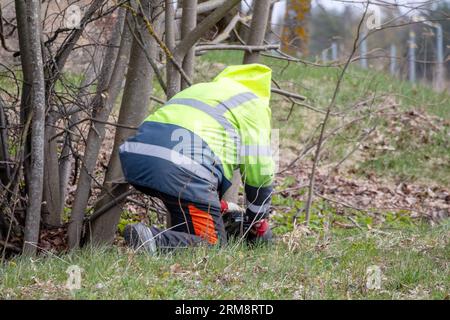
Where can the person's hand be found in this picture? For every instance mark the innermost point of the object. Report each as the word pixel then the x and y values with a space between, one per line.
pixel 223 207
pixel 230 207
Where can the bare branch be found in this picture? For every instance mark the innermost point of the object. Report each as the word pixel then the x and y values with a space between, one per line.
pixel 249 48
pixel 325 121
pixel 288 94
pixel 203 7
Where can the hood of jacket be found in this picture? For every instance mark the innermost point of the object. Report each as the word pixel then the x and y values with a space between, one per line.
pixel 256 77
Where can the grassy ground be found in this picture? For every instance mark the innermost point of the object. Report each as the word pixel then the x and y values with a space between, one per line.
pixel 414 262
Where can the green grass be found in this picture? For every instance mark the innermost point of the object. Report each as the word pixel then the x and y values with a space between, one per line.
pixel 413 261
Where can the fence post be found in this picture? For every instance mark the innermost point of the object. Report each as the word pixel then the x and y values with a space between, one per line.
pixel 412 56
pixel 393 65
pixel 334 51
pixel 325 55
pixel 363 49
pixel 439 81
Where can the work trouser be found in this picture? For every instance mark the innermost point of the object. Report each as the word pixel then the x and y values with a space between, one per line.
pixel 191 223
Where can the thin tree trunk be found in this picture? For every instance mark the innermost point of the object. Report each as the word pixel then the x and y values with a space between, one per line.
pixel 5 171
pixel 331 106
pixel 33 217
pixel 52 210
pixel 70 140
pixel 188 23
pixel 173 76
pixel 24 44
pixel 107 92
pixel 134 109
pixel 261 11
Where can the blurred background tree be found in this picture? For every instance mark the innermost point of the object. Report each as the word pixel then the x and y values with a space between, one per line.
pixel 295 31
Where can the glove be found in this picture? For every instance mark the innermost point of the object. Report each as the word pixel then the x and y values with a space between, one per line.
pixel 260 228
pixel 260 232
pixel 229 207
pixel 223 206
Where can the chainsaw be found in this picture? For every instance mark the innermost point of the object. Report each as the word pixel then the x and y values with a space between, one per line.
pixel 238 224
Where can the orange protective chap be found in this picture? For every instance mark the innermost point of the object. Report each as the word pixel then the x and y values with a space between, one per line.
pixel 203 224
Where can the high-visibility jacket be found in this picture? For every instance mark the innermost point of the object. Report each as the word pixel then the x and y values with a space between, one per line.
pixel 190 147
